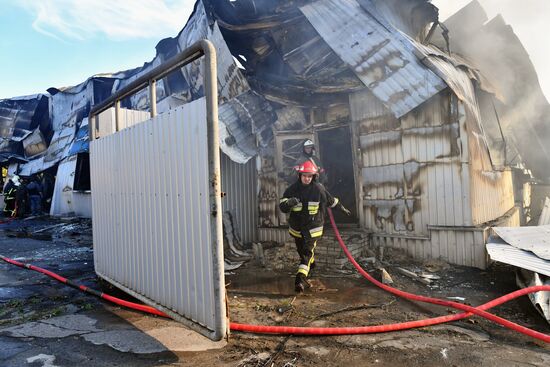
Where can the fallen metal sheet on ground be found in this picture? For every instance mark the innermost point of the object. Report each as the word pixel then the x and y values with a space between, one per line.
pixel 541 300
pixel 532 270
pixel 535 239
pixel 505 253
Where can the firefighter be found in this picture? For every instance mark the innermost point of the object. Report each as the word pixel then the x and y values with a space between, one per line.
pixel 308 154
pixel 306 200
pixel 10 192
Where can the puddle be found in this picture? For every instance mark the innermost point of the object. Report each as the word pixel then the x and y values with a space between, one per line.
pixel 25 234
pixel 9 293
pixel 276 285
pixel 337 289
pixel 40 236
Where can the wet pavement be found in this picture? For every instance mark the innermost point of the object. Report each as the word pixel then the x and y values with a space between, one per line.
pixel 46 323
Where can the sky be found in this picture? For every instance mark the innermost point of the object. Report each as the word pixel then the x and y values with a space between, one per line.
pixel 57 43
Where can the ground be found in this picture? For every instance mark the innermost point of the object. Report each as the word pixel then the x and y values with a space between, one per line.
pixel 45 323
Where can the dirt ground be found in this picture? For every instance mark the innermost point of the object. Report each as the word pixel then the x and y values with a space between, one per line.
pixel 262 295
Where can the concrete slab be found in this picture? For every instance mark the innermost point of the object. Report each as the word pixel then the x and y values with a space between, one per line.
pixel 172 334
pixel 133 341
pixel 58 327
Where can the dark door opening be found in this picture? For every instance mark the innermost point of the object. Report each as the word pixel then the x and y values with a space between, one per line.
pixel 337 160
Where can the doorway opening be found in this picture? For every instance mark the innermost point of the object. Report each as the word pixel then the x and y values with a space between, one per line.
pixel 336 157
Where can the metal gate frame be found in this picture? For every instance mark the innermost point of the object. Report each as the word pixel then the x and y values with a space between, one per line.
pixel 195 51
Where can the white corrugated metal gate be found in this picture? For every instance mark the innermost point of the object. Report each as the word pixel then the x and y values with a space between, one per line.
pixel 152 223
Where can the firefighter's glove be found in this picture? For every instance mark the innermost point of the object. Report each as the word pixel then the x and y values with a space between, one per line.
pixel 344 210
pixel 292 202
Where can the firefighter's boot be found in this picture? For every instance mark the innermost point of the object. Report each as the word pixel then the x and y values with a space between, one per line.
pixel 301 283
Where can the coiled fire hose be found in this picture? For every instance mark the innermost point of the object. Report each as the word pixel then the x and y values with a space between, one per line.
pixel 294 330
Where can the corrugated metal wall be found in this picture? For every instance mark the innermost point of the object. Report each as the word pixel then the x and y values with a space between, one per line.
pixel 106 124
pixel 492 194
pixel 463 246
pixel 427 178
pixel 239 182
pixel 412 169
pixel 151 216
pixel 279 235
pixel 62 199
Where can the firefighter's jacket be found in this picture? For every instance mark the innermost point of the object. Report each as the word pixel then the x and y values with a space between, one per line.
pixel 10 191
pixel 308 216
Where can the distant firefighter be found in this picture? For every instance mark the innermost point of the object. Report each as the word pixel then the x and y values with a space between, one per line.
pixel 10 195
pixel 35 196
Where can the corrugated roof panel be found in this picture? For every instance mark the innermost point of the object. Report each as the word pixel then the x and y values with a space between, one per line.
pixel 511 255
pixel 380 58
pixel 535 239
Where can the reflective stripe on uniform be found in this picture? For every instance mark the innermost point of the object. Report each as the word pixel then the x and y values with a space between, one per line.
pixel 303 269
pixel 294 233
pixel 297 207
pixel 316 232
pixel 313 207
pixel 336 201
pixel 283 200
pixel 312 259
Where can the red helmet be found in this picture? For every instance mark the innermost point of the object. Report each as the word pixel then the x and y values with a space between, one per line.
pixel 307 167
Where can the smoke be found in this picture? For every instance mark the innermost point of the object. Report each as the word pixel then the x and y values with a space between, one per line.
pixel 528 18
pixel 503 55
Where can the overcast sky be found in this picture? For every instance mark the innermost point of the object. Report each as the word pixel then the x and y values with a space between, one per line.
pixel 530 20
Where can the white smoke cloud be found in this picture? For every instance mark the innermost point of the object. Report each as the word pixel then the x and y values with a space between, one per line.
pixel 528 18
pixel 117 20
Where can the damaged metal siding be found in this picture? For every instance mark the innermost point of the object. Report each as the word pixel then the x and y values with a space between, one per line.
pixel 244 120
pixel 412 173
pixel 62 199
pixel 241 197
pixel 465 247
pixel 380 57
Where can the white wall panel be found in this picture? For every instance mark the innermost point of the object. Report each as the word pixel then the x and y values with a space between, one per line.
pixel 239 183
pixel 151 216
pixel 62 199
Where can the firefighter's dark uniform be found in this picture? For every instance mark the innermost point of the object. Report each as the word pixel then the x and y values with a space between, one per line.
pixel 306 220
pixel 10 192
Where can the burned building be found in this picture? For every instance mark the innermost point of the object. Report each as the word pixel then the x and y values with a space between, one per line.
pixel 409 133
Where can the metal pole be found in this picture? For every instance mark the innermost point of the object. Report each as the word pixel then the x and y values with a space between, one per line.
pixel 211 93
pixel 117 115
pixel 153 97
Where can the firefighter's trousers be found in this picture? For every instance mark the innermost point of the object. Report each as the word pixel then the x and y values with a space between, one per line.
pixel 306 250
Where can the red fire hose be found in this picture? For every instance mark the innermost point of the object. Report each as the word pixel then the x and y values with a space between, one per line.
pixel 480 310
pixel 118 301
